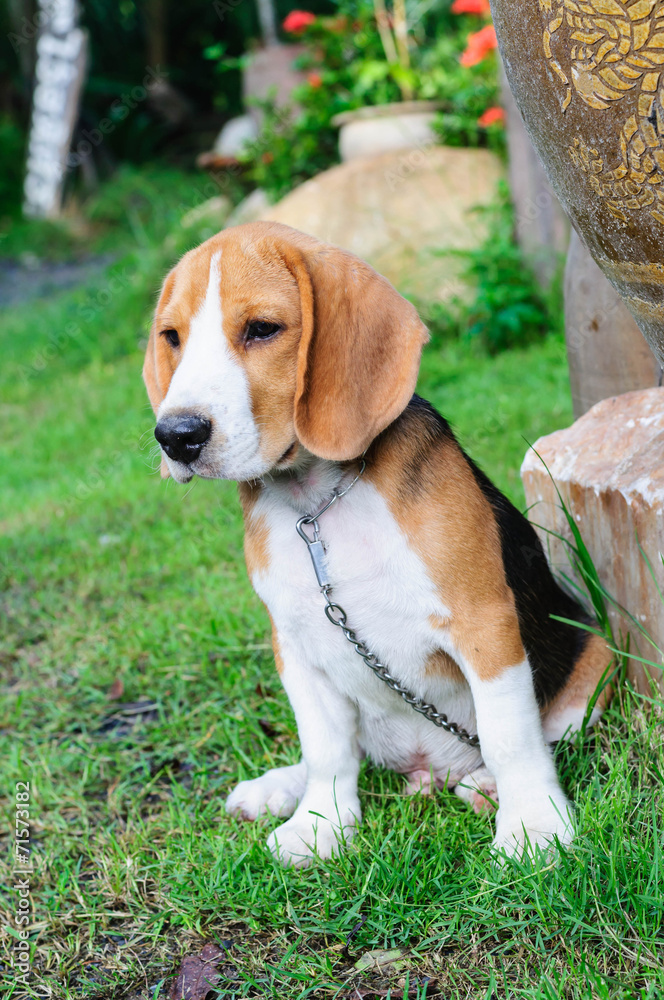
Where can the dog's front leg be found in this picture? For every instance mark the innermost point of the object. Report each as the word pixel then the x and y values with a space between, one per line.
pixel 327 725
pixel 532 806
pixel 277 793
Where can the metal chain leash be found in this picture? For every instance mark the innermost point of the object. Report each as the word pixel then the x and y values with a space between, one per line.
pixel 337 616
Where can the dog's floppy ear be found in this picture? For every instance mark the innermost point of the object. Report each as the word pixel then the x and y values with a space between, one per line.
pixel 359 355
pixel 157 380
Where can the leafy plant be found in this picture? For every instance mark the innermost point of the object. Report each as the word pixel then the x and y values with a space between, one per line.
pixel 348 65
pixel 289 152
pixel 507 308
pixel 466 93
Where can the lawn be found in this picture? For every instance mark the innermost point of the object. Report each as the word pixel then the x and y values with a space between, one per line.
pixel 139 688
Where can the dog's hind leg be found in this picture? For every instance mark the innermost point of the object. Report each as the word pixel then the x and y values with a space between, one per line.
pixel 533 808
pixel 420 782
pixel 479 790
pixel 276 792
pixel 564 717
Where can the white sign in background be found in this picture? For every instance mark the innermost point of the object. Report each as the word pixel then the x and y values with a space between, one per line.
pixel 59 74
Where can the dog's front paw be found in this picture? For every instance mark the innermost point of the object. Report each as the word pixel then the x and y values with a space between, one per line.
pixel 310 834
pixel 535 826
pixel 276 792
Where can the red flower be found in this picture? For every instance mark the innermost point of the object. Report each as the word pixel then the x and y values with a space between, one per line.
pixel 479 7
pixel 297 21
pixel 315 80
pixel 479 45
pixel 492 116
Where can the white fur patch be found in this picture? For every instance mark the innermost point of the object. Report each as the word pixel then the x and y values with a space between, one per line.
pixel 211 383
pixel 384 587
pixel 329 809
pixel 533 806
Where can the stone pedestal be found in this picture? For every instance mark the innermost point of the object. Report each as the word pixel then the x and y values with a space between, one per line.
pixel 609 469
pixel 606 351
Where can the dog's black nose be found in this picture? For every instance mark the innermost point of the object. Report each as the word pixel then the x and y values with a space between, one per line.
pixel 183 437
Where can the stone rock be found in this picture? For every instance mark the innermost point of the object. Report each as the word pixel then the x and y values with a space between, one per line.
pixel 249 209
pixel 609 469
pixel 373 130
pixel 398 211
pixel 234 138
pixel 214 211
pixel 235 135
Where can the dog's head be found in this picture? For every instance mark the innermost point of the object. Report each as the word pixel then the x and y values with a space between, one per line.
pixel 265 340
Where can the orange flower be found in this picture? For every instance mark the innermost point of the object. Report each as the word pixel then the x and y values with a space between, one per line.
pixel 479 7
pixel 295 22
pixel 492 116
pixel 315 80
pixel 479 45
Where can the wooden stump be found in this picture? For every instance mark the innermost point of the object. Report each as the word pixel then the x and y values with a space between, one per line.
pixel 541 226
pixel 609 469
pixel 606 351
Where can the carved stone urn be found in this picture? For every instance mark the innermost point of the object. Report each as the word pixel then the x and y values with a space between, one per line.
pixel 588 77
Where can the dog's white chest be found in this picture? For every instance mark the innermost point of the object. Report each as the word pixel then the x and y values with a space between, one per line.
pixel 392 605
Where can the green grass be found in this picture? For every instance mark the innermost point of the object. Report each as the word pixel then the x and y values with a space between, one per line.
pixel 142 205
pixel 110 574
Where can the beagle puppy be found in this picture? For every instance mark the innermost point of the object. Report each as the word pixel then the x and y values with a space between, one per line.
pixel 279 361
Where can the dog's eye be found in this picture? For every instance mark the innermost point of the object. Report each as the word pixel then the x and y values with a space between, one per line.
pixel 261 329
pixel 172 336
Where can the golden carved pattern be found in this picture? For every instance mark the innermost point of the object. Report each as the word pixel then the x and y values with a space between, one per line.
pixel 613 48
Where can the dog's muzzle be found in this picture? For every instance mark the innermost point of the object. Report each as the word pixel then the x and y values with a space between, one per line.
pixel 182 437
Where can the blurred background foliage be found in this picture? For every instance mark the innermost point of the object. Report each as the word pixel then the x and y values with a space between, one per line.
pixel 143 177
pixel 127 38
pixel 346 69
pixel 199 48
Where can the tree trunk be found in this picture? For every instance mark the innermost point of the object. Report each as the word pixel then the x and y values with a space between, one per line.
pixel 157 38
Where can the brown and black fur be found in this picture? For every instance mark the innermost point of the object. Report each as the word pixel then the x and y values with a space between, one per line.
pixel 427 462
